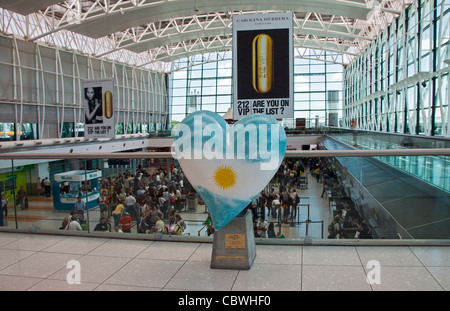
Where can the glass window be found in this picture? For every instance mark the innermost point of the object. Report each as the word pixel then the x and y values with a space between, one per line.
pixel 195 74
pixel 209 73
pixel 302 105
pixel 195 84
pixel 224 81
pixel 179 83
pixel 178 109
pixel 144 128
pixel 178 117
pixel 208 100
pixel 79 129
pixel 302 87
pixel 317 87
pixel 303 78
pixel 210 90
pixel 128 128
pixel 176 101
pixel 223 107
pixel 67 130
pixel 318 78
pixel 224 89
pixel 224 72
pixel 318 105
pixel 209 87
pixel 179 74
pixel 301 62
pixel 209 82
pixel 318 96
pixel 209 107
pixel 224 99
pixel 119 128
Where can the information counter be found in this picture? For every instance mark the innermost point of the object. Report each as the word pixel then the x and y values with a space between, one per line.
pixel 68 186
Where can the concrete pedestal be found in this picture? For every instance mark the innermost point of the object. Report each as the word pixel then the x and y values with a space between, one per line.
pixel 234 245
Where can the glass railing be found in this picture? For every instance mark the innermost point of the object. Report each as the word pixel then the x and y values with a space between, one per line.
pixel 433 169
pixel 339 195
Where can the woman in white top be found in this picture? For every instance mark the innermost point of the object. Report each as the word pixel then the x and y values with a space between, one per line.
pixel 74 225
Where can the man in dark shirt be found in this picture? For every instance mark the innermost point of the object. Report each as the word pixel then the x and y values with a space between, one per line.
pixel 102 225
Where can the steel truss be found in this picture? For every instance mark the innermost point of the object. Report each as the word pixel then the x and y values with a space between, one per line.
pixel 144 33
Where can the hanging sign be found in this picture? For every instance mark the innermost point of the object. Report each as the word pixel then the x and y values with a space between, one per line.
pixel 263 65
pixel 98 108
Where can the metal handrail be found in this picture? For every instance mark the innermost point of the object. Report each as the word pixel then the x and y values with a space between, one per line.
pixel 289 154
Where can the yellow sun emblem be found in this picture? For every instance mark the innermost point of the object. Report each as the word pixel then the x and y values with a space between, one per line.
pixel 225 177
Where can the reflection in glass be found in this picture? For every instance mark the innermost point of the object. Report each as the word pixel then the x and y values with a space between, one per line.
pixel 319 198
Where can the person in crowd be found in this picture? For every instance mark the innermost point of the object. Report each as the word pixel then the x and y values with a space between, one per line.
pixel 261 227
pixel 295 199
pixel 271 234
pixel 79 207
pixel 102 226
pixel 178 198
pixel 47 185
pixel 117 213
pixel 73 224
pixel 286 203
pixel 154 215
pixel 125 222
pixel 3 210
pixel 22 198
pixel 172 198
pixel 160 227
pixel 276 206
pixel 112 200
pixel 38 187
pixel 179 225
pixel 64 223
pixel 123 194
pixel 363 232
pixel 341 234
pixel 209 225
pixel 261 203
pixel 130 203
pixel 163 206
pixel 141 225
pixel 102 202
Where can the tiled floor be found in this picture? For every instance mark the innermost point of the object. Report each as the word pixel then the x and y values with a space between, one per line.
pixel 33 261
pixel 44 262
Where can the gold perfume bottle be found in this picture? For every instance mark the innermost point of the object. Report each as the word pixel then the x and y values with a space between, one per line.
pixel 262 63
pixel 108 104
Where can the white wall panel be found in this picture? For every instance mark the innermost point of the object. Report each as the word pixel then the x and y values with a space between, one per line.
pixel 42 84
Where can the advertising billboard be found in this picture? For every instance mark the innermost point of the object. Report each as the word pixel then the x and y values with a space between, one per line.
pixel 263 65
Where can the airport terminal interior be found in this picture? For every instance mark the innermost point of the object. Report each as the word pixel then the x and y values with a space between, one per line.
pixel 365 179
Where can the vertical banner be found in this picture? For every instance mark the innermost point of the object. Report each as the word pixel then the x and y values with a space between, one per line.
pixel 99 109
pixel 263 69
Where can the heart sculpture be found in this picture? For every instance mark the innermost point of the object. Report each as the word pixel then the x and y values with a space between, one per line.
pixel 228 166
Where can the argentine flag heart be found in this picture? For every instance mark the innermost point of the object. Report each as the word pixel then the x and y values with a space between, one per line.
pixel 228 166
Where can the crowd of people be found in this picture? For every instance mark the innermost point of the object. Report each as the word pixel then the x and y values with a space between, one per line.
pixel 340 228
pixel 150 202
pixel 282 206
pixel 141 201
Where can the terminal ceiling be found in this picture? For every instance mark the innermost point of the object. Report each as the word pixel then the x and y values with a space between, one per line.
pixel 166 31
